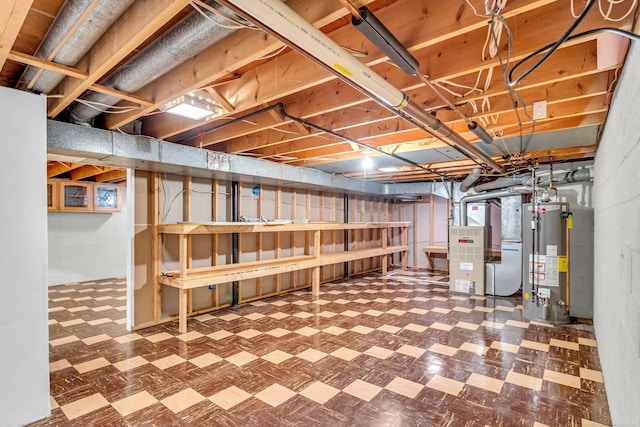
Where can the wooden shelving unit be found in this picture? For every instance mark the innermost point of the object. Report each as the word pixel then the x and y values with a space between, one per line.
pixel 186 278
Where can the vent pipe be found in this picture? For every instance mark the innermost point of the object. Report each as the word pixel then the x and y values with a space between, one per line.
pixel 584 174
pixel 280 21
pixel 189 37
pixel 84 22
pixel 470 179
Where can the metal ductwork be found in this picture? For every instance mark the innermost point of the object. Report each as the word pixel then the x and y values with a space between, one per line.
pixel 186 39
pixel 470 179
pixel 280 21
pixel 96 22
pixel 584 174
pixel 513 191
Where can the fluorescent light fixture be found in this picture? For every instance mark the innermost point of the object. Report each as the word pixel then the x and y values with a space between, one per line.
pixel 190 107
pixel 389 169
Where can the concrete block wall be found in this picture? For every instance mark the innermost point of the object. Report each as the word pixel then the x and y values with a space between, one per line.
pixel 617 247
pixel 87 246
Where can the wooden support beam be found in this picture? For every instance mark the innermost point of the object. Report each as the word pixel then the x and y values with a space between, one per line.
pixel 12 15
pixel 136 25
pixel 57 168
pixel 87 171
pixel 112 175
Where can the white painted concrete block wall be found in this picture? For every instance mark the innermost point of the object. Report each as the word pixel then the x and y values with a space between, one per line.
pixel 24 357
pixel 87 246
pixel 617 247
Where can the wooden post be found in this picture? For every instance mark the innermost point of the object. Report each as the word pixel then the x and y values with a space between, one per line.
pixel 278 203
pixel 415 234
pixel 187 216
pixel 315 279
pixel 156 242
pixel 385 258
pixel 431 220
pixel 293 274
pixel 403 254
pixel 259 242
pixel 214 238
pixel 182 314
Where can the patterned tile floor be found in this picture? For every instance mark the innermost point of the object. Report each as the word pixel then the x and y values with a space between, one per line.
pixel 371 351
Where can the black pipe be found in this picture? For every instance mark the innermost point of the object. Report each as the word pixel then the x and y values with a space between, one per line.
pixel 285 115
pixel 379 35
pixel 345 233
pixel 235 288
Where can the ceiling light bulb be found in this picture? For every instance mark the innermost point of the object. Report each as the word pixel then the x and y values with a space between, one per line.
pixel 367 162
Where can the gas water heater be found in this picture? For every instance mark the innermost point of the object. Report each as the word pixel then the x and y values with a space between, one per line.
pixel 545 289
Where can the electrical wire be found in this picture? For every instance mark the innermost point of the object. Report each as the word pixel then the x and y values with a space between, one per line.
pixel 511 82
pixel 239 25
pixel 96 106
pixel 618 31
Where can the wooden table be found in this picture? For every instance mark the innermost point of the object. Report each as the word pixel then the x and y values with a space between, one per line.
pixel 436 252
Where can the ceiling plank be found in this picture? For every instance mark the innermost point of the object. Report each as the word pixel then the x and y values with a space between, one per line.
pixel 453 62
pixel 72 72
pixel 140 21
pixel 112 175
pixel 12 15
pixel 86 171
pixel 237 50
pixel 292 73
pixel 347 117
pixel 57 168
pixel 46 65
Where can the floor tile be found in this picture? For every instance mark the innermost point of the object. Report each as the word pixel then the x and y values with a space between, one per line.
pixel 334 330
pixel 219 335
pixel 131 363
pixel 189 336
pixel 306 331
pixel 168 362
pixel 404 387
pixel 277 356
pixel 249 333
pixel 346 354
pixel 319 392
pixel 134 403
pixel 205 360
pixel 487 383
pixel 230 397
pixel 407 344
pixel 59 365
pixel 241 358
pixel 275 395
pixel 560 378
pixel 524 380
pixel 534 345
pixel 478 349
pixel 445 385
pixel 443 349
pixel 182 400
pixel 311 355
pixel 411 350
pixel 565 344
pixel 591 375
pixel 84 406
pixel 91 365
pixel 379 352
pixel 389 329
pixel 96 339
pixel 362 390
